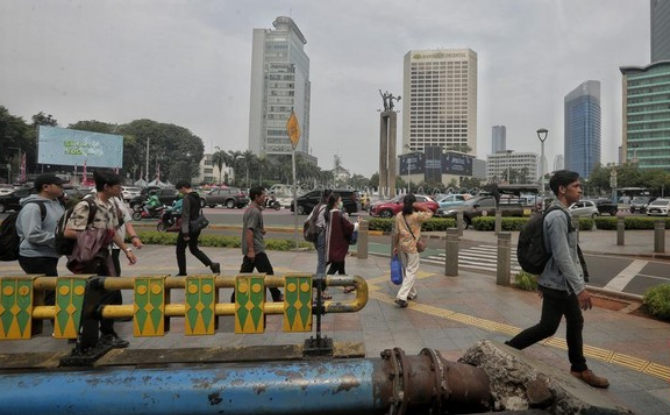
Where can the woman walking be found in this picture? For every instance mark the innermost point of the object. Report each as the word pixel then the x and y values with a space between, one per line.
pixel 320 211
pixel 408 232
pixel 338 234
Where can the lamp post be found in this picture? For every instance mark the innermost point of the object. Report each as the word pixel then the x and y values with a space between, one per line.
pixel 542 135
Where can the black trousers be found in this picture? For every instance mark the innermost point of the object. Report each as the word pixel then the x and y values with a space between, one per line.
pixel 108 297
pixel 555 305
pixel 336 267
pixel 193 247
pixel 262 264
pixel 41 265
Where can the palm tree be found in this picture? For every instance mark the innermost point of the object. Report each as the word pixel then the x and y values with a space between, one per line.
pixel 219 158
pixel 235 164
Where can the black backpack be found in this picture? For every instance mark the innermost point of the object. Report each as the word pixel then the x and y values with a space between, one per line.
pixel 65 246
pixel 9 238
pixel 530 251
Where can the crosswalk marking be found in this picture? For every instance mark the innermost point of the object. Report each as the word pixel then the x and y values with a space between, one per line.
pixel 480 258
pixel 620 282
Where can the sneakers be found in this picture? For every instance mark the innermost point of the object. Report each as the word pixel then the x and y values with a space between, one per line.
pixel 590 378
pixel 401 303
pixel 114 341
pixel 216 267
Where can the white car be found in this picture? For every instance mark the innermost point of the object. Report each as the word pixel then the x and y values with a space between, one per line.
pixel 129 192
pixel 659 207
pixel 584 208
pixel 6 189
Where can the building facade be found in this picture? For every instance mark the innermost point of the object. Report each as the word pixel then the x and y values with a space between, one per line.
pixel 279 84
pixel 511 167
pixel 440 100
pixel 498 139
pixel 582 147
pixel 646 115
pixel 660 30
pixel 209 172
pixel 558 162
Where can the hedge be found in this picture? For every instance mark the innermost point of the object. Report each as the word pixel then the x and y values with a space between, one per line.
pixel 219 241
pixel 630 222
pixel 657 301
pixel 434 224
pixel 525 281
pixel 487 223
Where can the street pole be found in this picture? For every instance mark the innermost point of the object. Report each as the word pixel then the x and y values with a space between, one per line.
pixel 542 135
pixel 295 202
pixel 146 170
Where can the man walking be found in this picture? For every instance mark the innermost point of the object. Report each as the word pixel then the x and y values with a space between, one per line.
pixel 187 236
pixel 106 216
pixel 561 284
pixel 37 251
pixel 253 244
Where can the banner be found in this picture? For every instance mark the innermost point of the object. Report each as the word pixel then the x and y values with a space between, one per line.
pixel 293 129
pixel 69 147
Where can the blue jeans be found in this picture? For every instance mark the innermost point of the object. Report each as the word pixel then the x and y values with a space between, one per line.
pixel 320 246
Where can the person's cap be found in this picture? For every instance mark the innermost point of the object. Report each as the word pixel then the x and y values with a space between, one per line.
pixel 47 179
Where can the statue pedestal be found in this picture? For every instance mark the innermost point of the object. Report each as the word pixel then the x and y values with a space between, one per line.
pixel 387 152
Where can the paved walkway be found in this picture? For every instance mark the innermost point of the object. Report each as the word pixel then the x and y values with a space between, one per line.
pixel 450 315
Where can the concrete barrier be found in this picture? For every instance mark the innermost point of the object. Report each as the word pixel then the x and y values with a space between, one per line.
pixel 363 240
pixel 620 228
pixel 504 271
pixel 659 235
pixel 451 251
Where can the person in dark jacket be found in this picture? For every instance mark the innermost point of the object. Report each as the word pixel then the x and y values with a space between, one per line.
pixel 338 233
pixel 190 211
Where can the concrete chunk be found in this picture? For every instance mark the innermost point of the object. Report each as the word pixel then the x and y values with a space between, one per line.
pixel 517 379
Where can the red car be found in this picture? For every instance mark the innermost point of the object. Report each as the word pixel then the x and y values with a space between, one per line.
pixel 390 208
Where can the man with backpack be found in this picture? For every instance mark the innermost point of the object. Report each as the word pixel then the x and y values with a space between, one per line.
pixel 188 236
pixel 35 227
pixel 96 214
pixel 561 283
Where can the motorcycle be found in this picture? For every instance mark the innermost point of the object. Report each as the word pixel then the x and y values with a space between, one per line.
pixel 273 204
pixel 169 222
pixel 139 213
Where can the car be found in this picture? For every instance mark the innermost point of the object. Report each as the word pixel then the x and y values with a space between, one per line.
pixel 74 193
pixel 605 206
pixel 584 208
pixel 390 208
pixel 6 189
pixel 659 207
pixel 231 197
pixel 350 199
pixel 129 192
pixel 639 204
pixel 484 206
pixel 12 201
pixel 451 200
pixel 166 195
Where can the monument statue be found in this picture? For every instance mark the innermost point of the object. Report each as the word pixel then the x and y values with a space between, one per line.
pixel 388 98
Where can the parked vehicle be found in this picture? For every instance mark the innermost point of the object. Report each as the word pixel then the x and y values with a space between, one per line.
pixel 452 200
pixel 659 207
pixel 484 206
pixel 605 206
pixel 128 192
pixel 12 201
pixel 639 204
pixel 230 197
pixel 390 208
pixel 306 202
pixel 584 208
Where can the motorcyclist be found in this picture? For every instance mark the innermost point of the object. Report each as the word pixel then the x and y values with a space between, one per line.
pixel 151 204
pixel 172 213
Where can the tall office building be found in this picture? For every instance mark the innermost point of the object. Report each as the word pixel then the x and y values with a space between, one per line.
pixel 646 117
pixel 660 30
pixel 440 100
pixel 498 139
pixel 279 84
pixel 558 162
pixel 582 128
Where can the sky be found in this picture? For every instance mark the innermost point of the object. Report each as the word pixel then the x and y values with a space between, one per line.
pixel 189 63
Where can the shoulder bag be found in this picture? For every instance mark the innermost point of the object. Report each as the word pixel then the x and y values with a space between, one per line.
pixel 420 243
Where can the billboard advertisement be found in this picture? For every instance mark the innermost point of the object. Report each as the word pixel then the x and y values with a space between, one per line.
pixel 457 164
pixel 74 147
pixel 412 163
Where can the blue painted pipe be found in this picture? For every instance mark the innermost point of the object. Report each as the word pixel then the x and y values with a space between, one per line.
pixel 394 383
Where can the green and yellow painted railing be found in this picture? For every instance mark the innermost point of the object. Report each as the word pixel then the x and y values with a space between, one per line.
pixel 22 308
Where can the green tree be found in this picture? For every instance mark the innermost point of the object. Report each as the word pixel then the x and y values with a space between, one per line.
pixel 219 158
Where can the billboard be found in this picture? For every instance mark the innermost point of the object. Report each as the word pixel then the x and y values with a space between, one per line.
pixel 433 164
pixel 457 164
pixel 412 163
pixel 74 147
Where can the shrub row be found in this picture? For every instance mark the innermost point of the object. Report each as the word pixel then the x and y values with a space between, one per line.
pixel 525 281
pixel 630 222
pixel 657 301
pixel 434 224
pixel 487 223
pixel 220 241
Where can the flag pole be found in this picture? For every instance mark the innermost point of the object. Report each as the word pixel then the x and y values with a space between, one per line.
pixel 295 203
pixel 293 132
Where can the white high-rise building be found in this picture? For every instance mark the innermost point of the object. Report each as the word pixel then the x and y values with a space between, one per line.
pixel 498 139
pixel 279 83
pixel 521 167
pixel 558 162
pixel 439 100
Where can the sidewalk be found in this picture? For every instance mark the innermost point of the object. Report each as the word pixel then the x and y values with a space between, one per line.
pixel 450 315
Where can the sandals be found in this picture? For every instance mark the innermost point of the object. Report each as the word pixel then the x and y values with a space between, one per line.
pixel 349 289
pixel 324 295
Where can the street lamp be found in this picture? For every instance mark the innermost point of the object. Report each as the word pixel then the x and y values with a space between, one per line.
pixel 542 135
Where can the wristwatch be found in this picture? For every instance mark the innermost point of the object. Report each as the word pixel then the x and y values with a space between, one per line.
pixel 134 236
pixel 129 249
